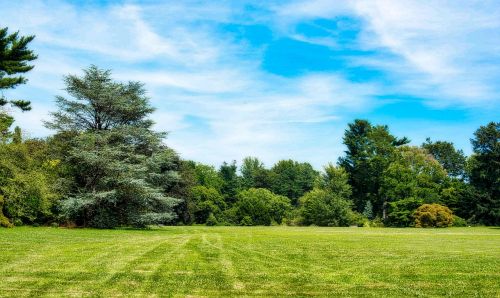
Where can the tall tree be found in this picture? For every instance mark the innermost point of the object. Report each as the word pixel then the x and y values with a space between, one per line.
pixel 369 152
pixel 452 160
pixel 413 178
pixel 484 174
pixel 14 58
pixel 119 168
pixel 254 174
pixel 230 187
pixel 292 179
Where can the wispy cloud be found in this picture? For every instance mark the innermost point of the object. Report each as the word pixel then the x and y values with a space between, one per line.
pixel 448 50
pixel 212 91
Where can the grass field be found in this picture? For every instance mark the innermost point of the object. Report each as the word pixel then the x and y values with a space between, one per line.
pixel 250 261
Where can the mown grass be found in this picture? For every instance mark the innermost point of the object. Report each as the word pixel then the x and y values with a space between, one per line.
pixel 250 261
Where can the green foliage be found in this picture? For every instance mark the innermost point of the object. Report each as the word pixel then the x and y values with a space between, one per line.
pixel 484 168
pixel 254 174
pixel 28 181
pixel 401 212
pixel 412 174
pixel 246 221
pixel 207 176
pixel 258 206
pixel 206 201
pixel 414 177
pixel 323 208
pixel 459 222
pixel 231 181
pixel 5 123
pixel 212 221
pixel 369 153
pixel 14 58
pixel 368 210
pixel 120 171
pixel 452 160
pixel 4 221
pixel 335 180
pixel 292 179
pixel 433 215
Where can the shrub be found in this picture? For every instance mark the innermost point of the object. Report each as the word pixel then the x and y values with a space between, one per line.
pixel 4 221
pixel 206 201
pixel 433 215
pixel 359 219
pixel 259 206
pixel 323 208
pixel 401 212
pixel 212 221
pixel 246 221
pixel 459 222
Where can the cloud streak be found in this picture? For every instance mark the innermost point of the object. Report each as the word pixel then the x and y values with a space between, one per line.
pixel 218 101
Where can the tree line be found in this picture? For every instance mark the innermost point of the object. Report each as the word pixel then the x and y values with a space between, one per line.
pixel 104 166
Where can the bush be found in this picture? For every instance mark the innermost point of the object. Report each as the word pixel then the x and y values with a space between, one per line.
pixel 359 220
pixel 459 222
pixel 212 221
pixel 246 221
pixel 377 222
pixel 323 208
pixel 433 215
pixel 259 206
pixel 206 201
pixel 4 221
pixel 401 212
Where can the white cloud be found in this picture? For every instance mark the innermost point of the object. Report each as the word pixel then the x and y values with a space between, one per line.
pixel 197 72
pixel 194 71
pixel 444 46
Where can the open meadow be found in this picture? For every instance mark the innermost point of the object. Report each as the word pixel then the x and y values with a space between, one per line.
pixel 250 261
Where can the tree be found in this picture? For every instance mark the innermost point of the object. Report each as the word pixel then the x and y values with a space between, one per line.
pixel 335 180
pixel 368 210
pixel 14 58
pixel 433 215
pixel 414 177
pixel 369 152
pixel 207 201
pixel 254 174
pixel 231 181
pixel 484 168
pixel 452 160
pixel 206 175
pixel 28 181
pixel 258 206
pixel 292 179
pixel 119 176
pixel 323 208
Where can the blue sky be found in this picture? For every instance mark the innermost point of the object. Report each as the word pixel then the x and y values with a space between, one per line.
pixel 275 79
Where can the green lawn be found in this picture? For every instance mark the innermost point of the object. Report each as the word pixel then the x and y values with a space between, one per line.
pixel 250 261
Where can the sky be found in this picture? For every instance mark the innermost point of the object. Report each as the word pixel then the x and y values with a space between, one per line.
pixel 274 79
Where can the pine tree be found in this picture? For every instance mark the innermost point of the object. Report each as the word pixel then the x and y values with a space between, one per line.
pixel 14 58
pixel 113 154
pixel 368 210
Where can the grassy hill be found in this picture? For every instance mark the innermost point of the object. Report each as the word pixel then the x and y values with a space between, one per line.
pixel 250 261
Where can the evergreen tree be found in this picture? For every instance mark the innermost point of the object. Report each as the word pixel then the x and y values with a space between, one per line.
pixel 119 176
pixel 231 184
pixel 14 58
pixel 369 152
pixel 484 167
pixel 368 210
